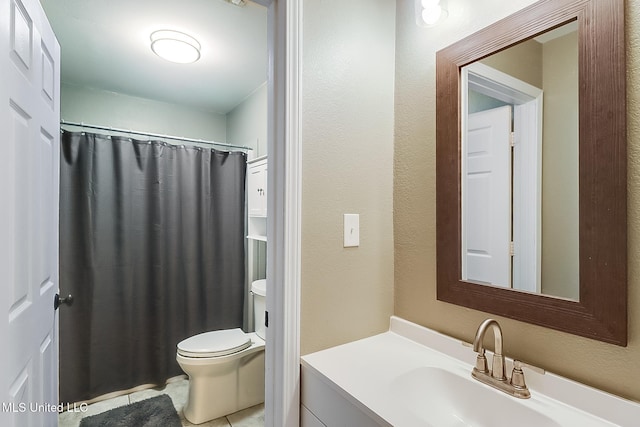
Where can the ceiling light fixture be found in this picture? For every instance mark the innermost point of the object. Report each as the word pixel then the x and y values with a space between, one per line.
pixel 175 46
pixel 431 12
pixel 237 2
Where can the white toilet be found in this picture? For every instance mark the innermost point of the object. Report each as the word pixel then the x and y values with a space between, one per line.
pixel 226 367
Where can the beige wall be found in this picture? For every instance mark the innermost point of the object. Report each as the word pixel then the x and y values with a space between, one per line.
pixel 347 164
pixel 612 368
pixel 522 61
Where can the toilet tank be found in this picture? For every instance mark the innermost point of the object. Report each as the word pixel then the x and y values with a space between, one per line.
pixel 259 290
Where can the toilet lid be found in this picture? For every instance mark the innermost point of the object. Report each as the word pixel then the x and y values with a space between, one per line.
pixel 213 344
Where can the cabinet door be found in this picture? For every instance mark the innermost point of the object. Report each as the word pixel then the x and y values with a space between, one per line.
pixel 257 189
pixel 263 192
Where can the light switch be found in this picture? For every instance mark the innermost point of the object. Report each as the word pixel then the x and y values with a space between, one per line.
pixel 351 230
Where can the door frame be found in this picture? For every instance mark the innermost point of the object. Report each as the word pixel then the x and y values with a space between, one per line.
pixel 282 357
pixel 282 366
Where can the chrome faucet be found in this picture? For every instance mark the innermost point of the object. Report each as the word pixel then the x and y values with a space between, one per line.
pixel 495 377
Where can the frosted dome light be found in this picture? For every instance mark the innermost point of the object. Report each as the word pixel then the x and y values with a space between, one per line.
pixel 175 46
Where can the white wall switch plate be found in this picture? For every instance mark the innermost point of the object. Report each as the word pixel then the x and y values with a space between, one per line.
pixel 351 230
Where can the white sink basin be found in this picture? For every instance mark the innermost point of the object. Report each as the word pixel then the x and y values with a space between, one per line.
pixel 441 398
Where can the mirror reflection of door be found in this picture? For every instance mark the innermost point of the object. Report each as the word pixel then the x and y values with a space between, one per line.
pixel 502 216
pixel 542 208
pixel 486 221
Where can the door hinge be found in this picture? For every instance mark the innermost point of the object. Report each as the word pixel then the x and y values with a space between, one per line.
pixel 266 319
pixel 512 250
pixel 512 139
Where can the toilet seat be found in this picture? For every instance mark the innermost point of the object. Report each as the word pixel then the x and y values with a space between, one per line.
pixel 215 343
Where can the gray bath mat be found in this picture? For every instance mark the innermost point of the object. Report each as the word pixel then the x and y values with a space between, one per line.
pixel 155 412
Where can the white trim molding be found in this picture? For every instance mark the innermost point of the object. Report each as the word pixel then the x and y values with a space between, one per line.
pixel 282 364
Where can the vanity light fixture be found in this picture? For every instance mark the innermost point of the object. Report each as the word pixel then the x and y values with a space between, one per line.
pixel 431 12
pixel 175 46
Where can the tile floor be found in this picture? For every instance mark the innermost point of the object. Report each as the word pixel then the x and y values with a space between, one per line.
pixel 251 417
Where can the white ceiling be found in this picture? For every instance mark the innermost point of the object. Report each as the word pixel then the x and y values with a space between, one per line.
pixel 105 45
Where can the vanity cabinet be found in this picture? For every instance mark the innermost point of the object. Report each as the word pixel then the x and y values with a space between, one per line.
pixel 325 404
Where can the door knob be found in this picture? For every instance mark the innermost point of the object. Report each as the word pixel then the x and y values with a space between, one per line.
pixel 57 301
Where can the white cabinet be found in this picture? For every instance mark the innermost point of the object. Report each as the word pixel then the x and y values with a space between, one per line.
pixel 257 187
pixel 257 198
pixel 322 403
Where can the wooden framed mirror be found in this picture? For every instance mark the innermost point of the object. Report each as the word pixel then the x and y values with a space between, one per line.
pixel 600 309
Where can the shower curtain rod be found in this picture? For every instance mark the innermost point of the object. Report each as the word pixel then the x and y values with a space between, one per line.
pixel 153 135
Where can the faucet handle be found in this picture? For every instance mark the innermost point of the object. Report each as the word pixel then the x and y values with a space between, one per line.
pixel 517 376
pixel 481 362
pixel 481 359
pixel 520 364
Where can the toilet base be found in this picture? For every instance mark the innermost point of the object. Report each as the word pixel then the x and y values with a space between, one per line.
pixel 224 388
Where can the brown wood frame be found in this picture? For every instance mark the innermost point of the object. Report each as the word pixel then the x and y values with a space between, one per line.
pixel 601 313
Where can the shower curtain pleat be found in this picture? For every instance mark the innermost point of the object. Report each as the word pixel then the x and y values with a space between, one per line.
pixel 152 249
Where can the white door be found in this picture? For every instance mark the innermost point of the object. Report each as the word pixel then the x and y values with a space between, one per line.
pixel 487 198
pixel 29 176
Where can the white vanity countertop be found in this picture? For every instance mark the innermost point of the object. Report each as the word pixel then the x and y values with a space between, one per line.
pixel 366 373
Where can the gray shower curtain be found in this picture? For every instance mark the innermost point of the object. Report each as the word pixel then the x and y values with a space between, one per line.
pixel 152 250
